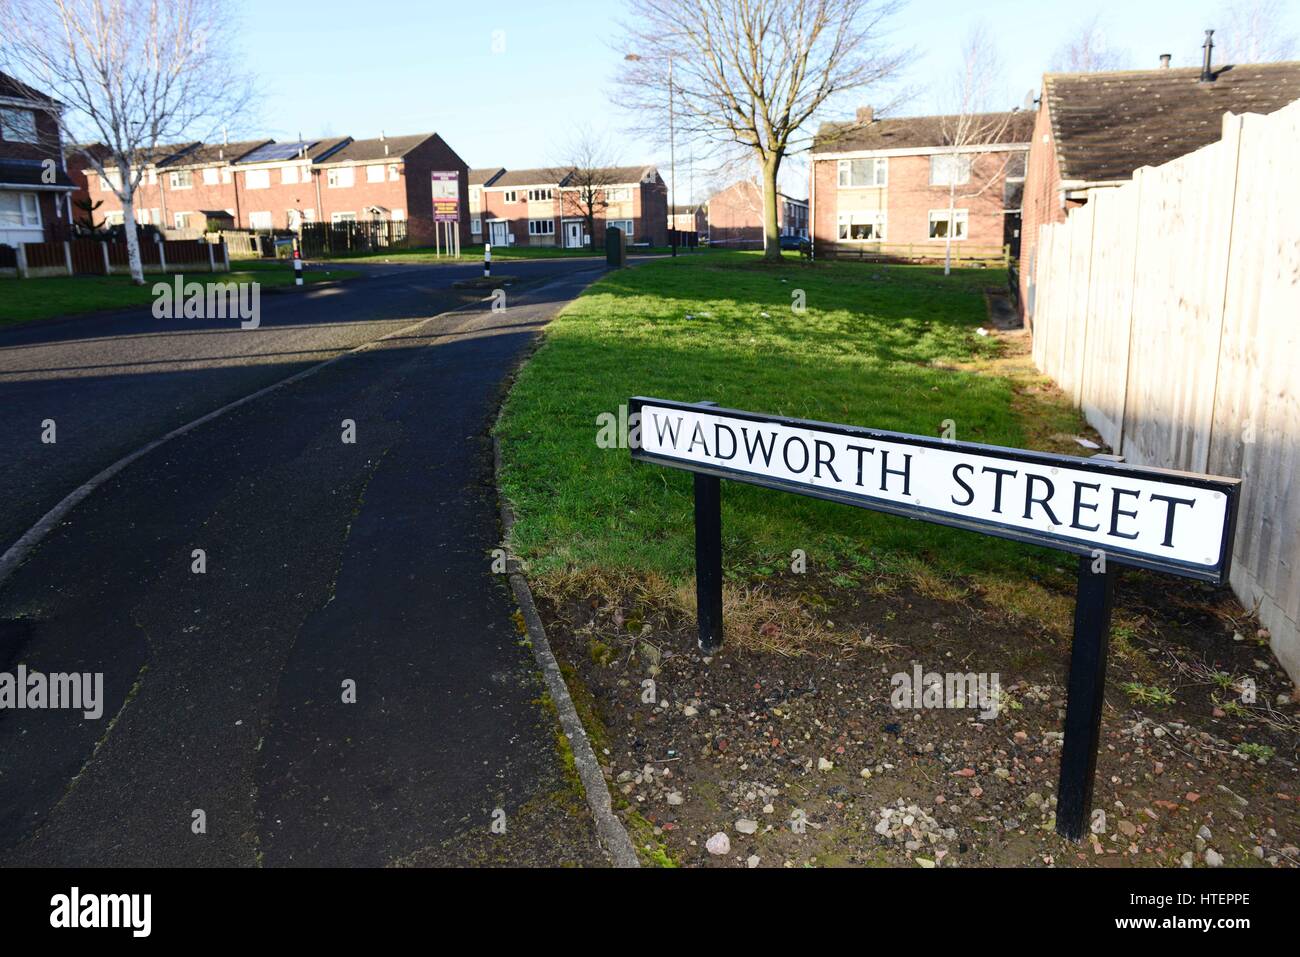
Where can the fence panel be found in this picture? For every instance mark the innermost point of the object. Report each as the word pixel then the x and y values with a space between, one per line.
pixel 1180 343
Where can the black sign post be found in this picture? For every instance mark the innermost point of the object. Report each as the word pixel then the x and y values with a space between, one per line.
pixel 1105 512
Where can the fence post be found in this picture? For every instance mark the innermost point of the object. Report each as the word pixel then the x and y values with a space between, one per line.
pixel 103 248
pixel 225 254
pixel 21 252
pixel 212 259
pixel 162 255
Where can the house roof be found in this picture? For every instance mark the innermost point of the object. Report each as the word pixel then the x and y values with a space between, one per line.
pixel 273 152
pixel 557 175
pixel 919 132
pixel 203 154
pixel 485 177
pixel 1106 125
pixel 385 148
pixel 18 90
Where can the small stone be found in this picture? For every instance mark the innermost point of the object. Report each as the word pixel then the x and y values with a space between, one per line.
pixel 1204 832
pixel 1213 858
pixel 752 861
pixel 1098 825
pixel 718 844
pixel 925 862
pixel 746 826
pixel 675 798
pixel 1187 860
pixel 824 765
pixel 865 774
pixel 690 712
pixel 1127 828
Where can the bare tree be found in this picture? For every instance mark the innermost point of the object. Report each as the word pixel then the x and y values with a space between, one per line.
pixel 971 129
pixel 131 74
pixel 751 74
pixel 1087 50
pixel 1254 32
pixel 585 177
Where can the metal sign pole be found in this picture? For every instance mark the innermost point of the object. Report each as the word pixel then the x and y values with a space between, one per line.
pixel 1085 697
pixel 708 561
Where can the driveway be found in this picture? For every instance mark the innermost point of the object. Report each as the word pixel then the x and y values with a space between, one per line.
pixel 343 683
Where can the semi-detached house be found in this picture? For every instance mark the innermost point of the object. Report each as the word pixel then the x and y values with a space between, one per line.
pixel 34 184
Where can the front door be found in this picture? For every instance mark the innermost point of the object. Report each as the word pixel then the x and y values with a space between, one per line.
pixel 573 235
pixel 497 233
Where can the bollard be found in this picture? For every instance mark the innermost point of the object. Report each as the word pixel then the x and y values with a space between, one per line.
pixel 487 260
pixel 297 263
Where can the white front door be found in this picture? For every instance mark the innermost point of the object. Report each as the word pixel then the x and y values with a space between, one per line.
pixel 498 232
pixel 573 235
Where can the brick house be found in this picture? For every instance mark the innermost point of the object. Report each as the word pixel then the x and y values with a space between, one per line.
pixel 1092 130
pixel 735 215
pixel 35 189
pixel 887 181
pixel 478 178
pixel 540 207
pixel 690 219
pixel 264 185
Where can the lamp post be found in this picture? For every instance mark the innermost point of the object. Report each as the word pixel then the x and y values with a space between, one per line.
pixel 672 151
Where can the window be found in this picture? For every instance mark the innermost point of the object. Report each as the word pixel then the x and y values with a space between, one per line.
pixel 343 217
pixel 181 220
pixel 19 209
pixel 261 219
pixel 476 226
pixel 949 169
pixel 864 172
pixel 181 179
pixel 17 126
pixel 398 215
pixel 257 179
pixel 142 217
pixel 341 176
pixel 618 194
pixel 225 174
pixel 867 226
pixel 114 219
pixel 541 227
pixel 288 174
pixel 309 215
pixel 210 176
pixel 393 173
pixel 623 224
pixel 111 182
pixel 942 228
pixel 511 196
pixel 475 194
pixel 374 173
pixel 539 195
pixel 151 177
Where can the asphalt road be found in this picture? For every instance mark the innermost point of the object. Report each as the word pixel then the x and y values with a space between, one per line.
pixel 330 566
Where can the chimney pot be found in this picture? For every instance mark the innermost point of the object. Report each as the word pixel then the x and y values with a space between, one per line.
pixel 866 114
pixel 1164 60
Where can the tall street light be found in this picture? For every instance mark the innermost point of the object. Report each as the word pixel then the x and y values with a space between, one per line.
pixel 672 151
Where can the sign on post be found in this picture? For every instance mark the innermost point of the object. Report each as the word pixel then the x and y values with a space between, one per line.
pixel 1104 511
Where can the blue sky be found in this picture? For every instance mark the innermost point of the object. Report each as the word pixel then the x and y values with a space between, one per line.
pixel 401 66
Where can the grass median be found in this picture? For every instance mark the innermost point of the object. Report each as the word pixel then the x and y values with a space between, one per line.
pixel 22 300
pixel 891 347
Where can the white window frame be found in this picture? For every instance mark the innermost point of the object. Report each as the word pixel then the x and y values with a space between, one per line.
pixel 210 176
pixel 397 215
pixel 618 194
pixel 394 174
pixel 180 219
pixel 180 179
pixel 510 196
pixel 261 216
pixel 877 176
pixel 257 179
pixel 340 177
pixel 875 219
pixel 374 172
pixel 226 175
pixel 541 227
pixel 621 223
pixel 288 175
pixel 962 163
pixel 476 225
pixel 960 217
pixel 344 217
pixel 542 195
pixel 11 133
pixel 28 211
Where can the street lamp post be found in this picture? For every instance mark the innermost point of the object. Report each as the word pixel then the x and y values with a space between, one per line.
pixel 672 151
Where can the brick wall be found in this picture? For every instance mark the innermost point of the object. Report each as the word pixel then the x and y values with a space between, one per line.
pixel 1042 198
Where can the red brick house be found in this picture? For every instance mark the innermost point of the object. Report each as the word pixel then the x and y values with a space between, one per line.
pixel 264 185
pixel 35 188
pixel 478 178
pixel 887 181
pixel 541 207
pixel 735 215
pixel 1092 130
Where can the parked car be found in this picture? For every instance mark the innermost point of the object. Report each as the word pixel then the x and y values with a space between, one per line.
pixel 792 242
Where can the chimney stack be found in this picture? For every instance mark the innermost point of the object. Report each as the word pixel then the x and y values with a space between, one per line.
pixel 1164 60
pixel 1207 75
pixel 866 115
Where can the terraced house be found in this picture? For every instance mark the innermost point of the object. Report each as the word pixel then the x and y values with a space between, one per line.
pixel 265 185
pixel 880 183
pixel 34 184
pixel 544 207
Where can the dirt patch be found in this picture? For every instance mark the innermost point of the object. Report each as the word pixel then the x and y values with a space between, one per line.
pixel 796 751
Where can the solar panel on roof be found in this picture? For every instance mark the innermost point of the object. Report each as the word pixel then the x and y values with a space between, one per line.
pixel 275 151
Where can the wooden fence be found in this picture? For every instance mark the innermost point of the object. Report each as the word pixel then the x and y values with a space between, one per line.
pixel 933 252
pixel 98 257
pixel 1169 309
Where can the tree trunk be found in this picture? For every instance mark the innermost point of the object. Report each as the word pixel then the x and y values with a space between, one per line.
pixel 771 227
pixel 952 227
pixel 133 260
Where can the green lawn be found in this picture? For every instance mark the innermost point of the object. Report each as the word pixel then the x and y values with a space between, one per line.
pixel 22 300
pixel 877 346
pixel 426 254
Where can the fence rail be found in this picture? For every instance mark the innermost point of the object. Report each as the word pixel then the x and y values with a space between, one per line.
pixel 962 254
pixel 100 257
pixel 1167 308
pixel 343 238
